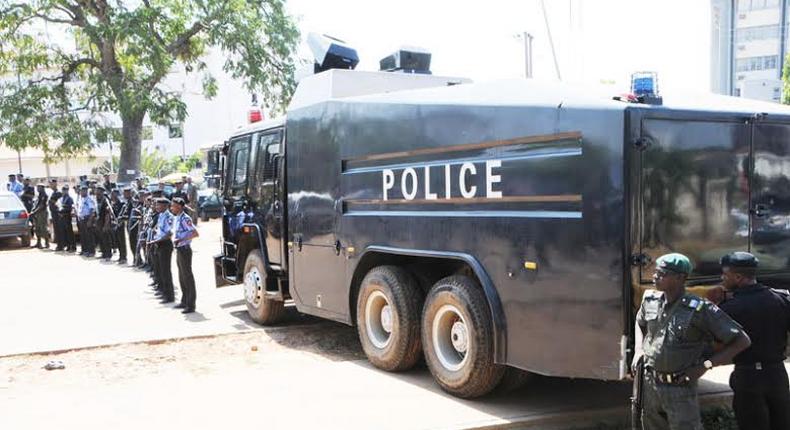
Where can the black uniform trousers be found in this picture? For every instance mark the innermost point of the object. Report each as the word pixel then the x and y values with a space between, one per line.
pixel 153 260
pixel 66 234
pixel 761 399
pixel 86 237
pixel 56 230
pixel 164 256
pixel 185 277
pixel 105 242
pixel 120 238
pixel 133 239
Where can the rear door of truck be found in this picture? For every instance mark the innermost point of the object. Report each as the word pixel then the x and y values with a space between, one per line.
pixel 693 190
pixel 770 208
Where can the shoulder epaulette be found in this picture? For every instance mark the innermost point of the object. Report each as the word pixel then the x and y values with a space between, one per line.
pixel 694 302
pixel 781 292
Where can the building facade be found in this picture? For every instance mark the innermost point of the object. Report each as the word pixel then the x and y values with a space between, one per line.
pixel 749 46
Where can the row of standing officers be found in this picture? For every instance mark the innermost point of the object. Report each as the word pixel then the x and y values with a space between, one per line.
pixel 680 336
pixel 152 225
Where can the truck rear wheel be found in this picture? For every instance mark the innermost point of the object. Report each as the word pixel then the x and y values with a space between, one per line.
pixel 457 337
pixel 262 309
pixel 388 318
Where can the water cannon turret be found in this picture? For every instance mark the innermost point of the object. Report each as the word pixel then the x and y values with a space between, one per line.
pixel 331 53
pixel 407 59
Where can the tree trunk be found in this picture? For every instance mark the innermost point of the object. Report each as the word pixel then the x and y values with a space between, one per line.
pixel 129 165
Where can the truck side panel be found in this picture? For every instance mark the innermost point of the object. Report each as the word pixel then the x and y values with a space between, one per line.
pixel 535 194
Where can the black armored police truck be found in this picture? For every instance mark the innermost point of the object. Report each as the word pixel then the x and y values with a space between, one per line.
pixel 496 227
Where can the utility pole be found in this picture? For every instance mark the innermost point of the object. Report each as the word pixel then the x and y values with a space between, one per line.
pixel 528 55
pixel 551 40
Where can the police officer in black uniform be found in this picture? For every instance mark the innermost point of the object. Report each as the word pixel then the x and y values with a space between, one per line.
pixel 759 382
pixel 119 227
pixel 104 223
pixel 66 205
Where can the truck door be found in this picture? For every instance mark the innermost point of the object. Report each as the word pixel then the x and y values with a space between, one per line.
pixel 234 194
pixel 694 185
pixel 770 187
pixel 269 193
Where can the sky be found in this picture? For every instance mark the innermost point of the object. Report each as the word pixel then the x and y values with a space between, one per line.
pixel 596 41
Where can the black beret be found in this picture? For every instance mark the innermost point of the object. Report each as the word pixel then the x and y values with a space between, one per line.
pixel 65 187
pixel 83 188
pixel 739 259
pixel 163 200
pixel 53 181
pixel 180 201
pixel 156 193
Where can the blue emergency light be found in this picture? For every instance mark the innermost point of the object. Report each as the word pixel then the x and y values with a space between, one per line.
pixel 644 85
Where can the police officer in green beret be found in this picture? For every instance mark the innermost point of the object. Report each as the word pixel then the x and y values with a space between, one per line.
pixel 675 340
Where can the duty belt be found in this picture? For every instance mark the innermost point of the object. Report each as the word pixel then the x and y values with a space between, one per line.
pixel 760 365
pixel 679 378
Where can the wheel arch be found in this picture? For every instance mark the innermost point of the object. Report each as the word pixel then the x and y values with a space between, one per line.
pixel 442 264
pixel 250 240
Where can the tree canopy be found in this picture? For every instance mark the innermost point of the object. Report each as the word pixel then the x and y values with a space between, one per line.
pixel 64 64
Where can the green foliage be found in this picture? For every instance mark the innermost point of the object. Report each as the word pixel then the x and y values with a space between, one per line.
pixel 154 165
pixel 100 56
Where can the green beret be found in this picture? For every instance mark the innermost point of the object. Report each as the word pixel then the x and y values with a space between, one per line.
pixel 674 262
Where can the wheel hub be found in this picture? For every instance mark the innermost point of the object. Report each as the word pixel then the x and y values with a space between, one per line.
pixel 450 338
pixel 458 336
pixel 252 286
pixel 378 319
pixel 386 318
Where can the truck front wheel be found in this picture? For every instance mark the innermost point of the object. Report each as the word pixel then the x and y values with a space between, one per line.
pixel 262 309
pixel 388 318
pixel 457 337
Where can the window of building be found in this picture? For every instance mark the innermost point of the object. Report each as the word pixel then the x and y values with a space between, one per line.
pixel 175 131
pixel 747 5
pixel 777 93
pixel 753 34
pixel 737 92
pixel 751 64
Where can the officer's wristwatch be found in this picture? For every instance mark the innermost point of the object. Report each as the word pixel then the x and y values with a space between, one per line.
pixel 708 364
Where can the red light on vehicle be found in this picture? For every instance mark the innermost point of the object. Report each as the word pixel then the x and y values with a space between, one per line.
pixel 23 215
pixel 247 230
pixel 255 115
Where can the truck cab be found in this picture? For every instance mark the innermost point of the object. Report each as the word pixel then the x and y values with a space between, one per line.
pixel 253 225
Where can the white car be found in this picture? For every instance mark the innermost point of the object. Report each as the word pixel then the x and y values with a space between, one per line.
pixel 13 218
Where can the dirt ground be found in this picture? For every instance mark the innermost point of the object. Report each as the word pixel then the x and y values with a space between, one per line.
pixel 198 356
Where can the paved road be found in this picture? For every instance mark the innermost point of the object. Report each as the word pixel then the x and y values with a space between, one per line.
pixel 51 301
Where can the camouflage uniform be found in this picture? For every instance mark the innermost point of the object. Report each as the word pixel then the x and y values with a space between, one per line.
pixel 677 336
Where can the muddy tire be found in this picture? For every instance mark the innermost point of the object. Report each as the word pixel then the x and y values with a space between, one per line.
pixel 262 309
pixel 457 338
pixel 388 318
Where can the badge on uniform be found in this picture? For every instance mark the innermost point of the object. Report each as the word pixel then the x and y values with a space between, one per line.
pixel 696 304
